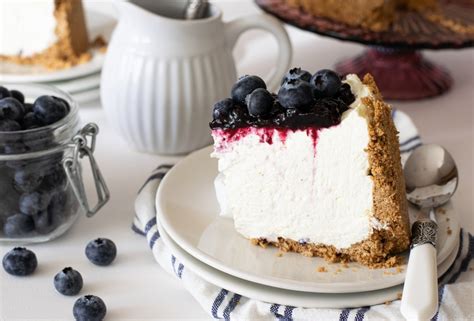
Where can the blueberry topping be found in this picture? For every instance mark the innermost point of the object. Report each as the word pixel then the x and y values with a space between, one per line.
pixel 27 179
pixel 11 108
pixel 296 94
pixel 68 281
pixel 326 83
pixel 222 108
pixel 17 95
pixel 259 102
pixel 244 86
pixel 89 308
pixel 20 262
pixel 50 109
pixel 101 251
pixel 18 225
pixel 298 105
pixel 296 73
pixel 7 125
pixel 34 202
pixel 4 92
pixel 346 95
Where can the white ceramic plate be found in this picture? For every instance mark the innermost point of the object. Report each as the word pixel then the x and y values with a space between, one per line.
pixel 288 297
pixel 188 210
pixel 77 85
pixel 98 24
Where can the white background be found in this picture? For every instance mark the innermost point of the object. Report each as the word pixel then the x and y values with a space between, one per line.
pixel 135 287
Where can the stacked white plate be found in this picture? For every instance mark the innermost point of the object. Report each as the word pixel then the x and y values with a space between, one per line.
pixel 187 212
pixel 82 82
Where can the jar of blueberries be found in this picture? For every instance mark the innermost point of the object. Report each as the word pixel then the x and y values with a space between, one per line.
pixel 42 147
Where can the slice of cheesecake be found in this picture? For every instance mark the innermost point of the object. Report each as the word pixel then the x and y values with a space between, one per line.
pixel 315 170
pixel 51 33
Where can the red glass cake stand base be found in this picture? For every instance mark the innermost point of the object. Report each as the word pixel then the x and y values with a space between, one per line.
pixel 393 58
pixel 400 74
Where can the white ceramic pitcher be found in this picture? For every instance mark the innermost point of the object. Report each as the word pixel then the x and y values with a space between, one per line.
pixel 162 76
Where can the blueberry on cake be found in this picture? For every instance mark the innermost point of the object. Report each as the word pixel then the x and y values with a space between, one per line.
pixel 51 33
pixel 313 169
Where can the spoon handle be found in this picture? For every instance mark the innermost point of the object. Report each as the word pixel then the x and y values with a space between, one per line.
pixel 420 291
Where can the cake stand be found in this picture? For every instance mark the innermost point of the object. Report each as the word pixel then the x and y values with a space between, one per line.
pixel 393 56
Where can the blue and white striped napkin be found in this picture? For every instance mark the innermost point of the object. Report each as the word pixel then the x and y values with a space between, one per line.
pixel 455 291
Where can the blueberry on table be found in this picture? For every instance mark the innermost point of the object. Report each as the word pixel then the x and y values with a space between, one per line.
pixel 68 281
pixel 50 109
pixel 11 108
pixel 4 92
pixel 296 94
pixel 8 125
pixel 101 251
pixel 259 102
pixel 18 225
pixel 34 202
pixel 27 179
pixel 89 308
pixel 326 83
pixel 222 108
pixel 17 95
pixel 20 262
pixel 296 73
pixel 244 86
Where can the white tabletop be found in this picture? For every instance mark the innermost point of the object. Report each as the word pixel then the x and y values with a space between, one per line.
pixel 135 287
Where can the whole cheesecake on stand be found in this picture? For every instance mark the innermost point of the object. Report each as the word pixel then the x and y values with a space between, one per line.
pixel 51 33
pixel 315 169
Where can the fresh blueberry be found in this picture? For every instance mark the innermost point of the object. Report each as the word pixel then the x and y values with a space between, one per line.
pixel 18 225
pixel 20 262
pixel 296 94
pixel 34 202
pixel 101 251
pixel 50 109
pixel 28 108
pixel 4 92
pixel 17 95
pixel 44 223
pixel 326 83
pixel 296 73
pixel 30 121
pixel 27 179
pixel 57 206
pixel 244 86
pixel 68 281
pixel 55 180
pixel 222 108
pixel 11 108
pixel 8 125
pixel 15 147
pixel 89 308
pixel 259 102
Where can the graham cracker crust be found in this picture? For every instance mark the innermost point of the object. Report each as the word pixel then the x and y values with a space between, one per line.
pixel 72 47
pixel 389 201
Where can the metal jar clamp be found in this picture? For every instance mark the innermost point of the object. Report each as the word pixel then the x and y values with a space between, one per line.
pixel 71 165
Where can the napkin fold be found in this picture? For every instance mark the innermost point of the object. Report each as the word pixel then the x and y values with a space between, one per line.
pixel 456 286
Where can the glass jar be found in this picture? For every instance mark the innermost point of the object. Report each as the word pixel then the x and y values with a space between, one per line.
pixel 41 187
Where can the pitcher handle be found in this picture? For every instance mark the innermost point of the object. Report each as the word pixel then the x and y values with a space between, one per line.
pixel 266 22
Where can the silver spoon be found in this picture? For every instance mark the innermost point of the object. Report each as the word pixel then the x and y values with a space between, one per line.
pixel 431 179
